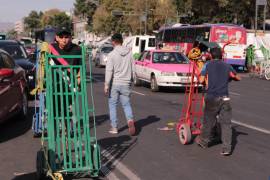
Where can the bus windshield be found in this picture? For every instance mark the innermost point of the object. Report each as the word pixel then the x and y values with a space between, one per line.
pixel 228 34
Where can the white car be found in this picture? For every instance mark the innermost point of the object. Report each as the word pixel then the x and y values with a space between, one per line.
pixel 102 55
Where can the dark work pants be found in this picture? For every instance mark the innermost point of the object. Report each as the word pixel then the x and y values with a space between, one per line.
pixel 217 107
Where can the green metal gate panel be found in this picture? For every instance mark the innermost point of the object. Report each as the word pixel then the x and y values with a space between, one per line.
pixel 71 143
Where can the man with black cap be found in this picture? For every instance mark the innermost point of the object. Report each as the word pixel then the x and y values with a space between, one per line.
pixel 217 101
pixel 118 76
pixel 64 46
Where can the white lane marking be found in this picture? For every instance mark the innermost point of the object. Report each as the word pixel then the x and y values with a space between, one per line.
pixel 234 93
pixel 119 166
pixel 135 92
pixel 251 127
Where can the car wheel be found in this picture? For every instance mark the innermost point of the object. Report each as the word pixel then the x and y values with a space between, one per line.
pixel 136 81
pixel 24 109
pixel 153 84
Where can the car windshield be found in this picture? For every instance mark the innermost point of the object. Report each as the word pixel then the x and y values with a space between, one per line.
pixel 107 49
pixel 26 41
pixel 16 51
pixel 169 58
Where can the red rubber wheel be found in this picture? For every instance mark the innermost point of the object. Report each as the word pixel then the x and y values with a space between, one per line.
pixel 184 134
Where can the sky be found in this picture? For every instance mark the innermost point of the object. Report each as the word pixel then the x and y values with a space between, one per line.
pixel 14 10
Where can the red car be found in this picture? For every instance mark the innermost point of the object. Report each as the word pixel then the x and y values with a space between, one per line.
pixel 13 88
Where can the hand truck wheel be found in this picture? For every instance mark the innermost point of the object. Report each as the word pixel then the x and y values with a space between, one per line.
pixel 184 134
pixel 40 165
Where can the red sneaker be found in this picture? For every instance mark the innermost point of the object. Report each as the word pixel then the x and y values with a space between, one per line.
pixel 131 127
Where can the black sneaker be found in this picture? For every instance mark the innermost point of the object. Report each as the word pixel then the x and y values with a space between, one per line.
pixel 225 152
pixel 201 143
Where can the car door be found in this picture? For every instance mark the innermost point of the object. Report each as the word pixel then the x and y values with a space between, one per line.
pixel 139 65
pixel 146 70
pixel 10 91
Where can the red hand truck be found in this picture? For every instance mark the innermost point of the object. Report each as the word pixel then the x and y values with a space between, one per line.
pixel 192 111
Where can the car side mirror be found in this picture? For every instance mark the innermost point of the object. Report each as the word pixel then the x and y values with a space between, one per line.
pixel 5 73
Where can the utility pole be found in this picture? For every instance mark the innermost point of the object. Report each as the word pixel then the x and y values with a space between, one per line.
pixel 146 11
pixel 264 17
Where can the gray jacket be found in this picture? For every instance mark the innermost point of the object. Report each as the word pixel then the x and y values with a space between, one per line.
pixel 119 67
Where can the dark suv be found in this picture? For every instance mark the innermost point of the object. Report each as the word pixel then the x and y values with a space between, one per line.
pixel 19 54
pixel 13 88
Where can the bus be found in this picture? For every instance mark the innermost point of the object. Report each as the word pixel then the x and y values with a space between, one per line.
pixel 231 38
pixel 45 35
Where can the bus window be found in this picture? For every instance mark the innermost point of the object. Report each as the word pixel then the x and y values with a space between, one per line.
pixel 159 36
pixel 174 35
pixel 203 33
pixel 142 45
pixel 137 41
pixel 191 33
pixel 152 42
pixel 182 35
pixel 167 36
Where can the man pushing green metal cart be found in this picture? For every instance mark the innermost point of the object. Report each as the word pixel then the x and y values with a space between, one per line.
pixel 69 145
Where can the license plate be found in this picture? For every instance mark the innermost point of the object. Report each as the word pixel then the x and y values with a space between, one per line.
pixel 185 79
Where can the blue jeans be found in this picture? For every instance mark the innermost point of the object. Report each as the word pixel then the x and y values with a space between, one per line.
pixel 122 93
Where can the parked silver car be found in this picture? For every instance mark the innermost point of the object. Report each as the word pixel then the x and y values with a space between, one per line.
pixel 102 55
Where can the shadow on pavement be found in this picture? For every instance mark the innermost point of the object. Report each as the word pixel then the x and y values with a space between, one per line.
pixel 113 150
pixel 99 120
pixel 97 77
pixel 139 124
pixel 235 135
pixel 16 126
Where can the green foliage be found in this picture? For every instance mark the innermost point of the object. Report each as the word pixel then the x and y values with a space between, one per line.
pixel 85 9
pixel 60 20
pixel 53 18
pixel 12 34
pixel 104 22
pixel 32 21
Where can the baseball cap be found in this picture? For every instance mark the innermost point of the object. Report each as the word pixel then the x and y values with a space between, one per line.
pixel 63 31
pixel 117 37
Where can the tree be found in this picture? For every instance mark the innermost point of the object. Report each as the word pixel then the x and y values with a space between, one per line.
pixel 48 17
pixel 60 19
pixel 131 15
pixel 105 22
pixel 221 11
pixel 85 9
pixel 32 21
pixel 12 34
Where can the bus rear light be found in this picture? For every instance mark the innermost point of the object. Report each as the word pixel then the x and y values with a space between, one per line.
pixel 236 56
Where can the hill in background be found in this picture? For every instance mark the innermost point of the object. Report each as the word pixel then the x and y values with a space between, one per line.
pixel 6 26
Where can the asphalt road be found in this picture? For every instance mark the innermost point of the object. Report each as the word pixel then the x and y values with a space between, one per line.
pixel 156 154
